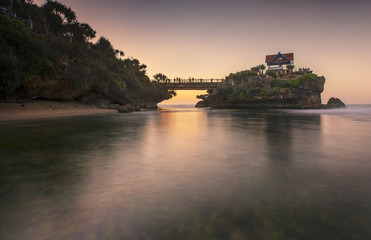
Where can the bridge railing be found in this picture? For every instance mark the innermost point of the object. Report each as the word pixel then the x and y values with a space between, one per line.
pixel 192 80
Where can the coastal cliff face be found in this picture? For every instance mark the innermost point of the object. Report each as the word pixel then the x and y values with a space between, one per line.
pixel 110 95
pixel 308 91
pixel 55 60
pixel 291 91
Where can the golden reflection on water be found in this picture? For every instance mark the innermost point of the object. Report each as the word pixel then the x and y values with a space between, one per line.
pixel 184 126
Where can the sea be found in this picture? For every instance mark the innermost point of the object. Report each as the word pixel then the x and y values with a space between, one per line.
pixel 188 173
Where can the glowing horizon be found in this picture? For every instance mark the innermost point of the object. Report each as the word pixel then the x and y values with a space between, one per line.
pixel 184 97
pixel 211 39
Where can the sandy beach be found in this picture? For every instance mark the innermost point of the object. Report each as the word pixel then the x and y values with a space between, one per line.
pixel 40 109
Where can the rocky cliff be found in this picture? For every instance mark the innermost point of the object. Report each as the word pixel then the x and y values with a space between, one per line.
pixel 108 96
pixel 56 60
pixel 292 91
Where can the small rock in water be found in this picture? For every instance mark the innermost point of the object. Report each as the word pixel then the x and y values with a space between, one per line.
pixel 335 103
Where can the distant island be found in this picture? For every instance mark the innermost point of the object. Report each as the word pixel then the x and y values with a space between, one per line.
pixel 279 88
pixel 46 53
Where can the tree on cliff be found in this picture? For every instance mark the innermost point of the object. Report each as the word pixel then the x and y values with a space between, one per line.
pixel 104 45
pixel 242 76
pixel 262 68
pixel 258 69
pixel 55 57
pixel 56 17
pixel 255 69
pixel 21 55
pixel 271 73
pixel 160 77
pixel 80 32
pixel 119 53
pixel 290 67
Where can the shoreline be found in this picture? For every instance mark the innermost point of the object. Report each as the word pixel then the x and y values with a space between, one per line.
pixel 43 109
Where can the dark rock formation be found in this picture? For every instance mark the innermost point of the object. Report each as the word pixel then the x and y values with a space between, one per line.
pixel 113 106
pixel 96 99
pixel 126 108
pixel 202 104
pixel 109 96
pixel 335 103
pixel 305 95
pixel 308 91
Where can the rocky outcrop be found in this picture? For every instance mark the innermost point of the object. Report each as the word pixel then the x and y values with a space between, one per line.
pixel 109 96
pixel 126 108
pixel 305 95
pixel 308 91
pixel 335 103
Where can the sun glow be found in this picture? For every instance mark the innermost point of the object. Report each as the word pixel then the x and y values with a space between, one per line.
pixel 182 97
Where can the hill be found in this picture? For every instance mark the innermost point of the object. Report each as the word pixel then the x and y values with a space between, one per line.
pixel 46 53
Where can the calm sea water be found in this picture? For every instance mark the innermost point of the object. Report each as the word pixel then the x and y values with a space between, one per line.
pixel 185 173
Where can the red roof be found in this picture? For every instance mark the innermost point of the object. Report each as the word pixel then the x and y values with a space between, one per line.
pixel 290 57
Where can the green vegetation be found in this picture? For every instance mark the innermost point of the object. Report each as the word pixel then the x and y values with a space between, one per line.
pixel 246 84
pixel 258 69
pixel 307 76
pixel 290 67
pixel 284 83
pixel 160 77
pixel 21 55
pixel 271 73
pixel 48 43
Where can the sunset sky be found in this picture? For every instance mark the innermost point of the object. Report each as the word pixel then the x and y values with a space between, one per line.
pixel 212 38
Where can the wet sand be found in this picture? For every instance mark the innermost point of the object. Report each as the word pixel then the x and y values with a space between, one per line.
pixel 40 109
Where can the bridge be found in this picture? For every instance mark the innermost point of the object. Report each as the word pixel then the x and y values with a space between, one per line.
pixel 190 84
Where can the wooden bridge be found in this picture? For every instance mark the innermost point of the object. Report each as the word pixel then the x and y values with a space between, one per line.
pixel 190 84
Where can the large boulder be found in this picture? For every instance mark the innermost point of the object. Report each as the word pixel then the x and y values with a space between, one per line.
pixel 202 104
pixel 335 103
pixel 126 108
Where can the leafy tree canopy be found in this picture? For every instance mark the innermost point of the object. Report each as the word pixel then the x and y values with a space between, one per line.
pixel 58 48
pixel 160 77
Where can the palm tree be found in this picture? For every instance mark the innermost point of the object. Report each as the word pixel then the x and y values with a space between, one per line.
pixel 290 67
pixel 262 68
pixel 119 53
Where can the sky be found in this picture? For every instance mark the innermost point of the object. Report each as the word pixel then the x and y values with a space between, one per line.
pixel 212 38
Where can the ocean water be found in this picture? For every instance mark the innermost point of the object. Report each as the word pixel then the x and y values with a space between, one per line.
pixel 186 173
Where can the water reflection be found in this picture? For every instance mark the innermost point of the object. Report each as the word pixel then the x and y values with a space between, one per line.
pixel 45 166
pixel 186 174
